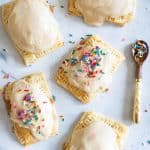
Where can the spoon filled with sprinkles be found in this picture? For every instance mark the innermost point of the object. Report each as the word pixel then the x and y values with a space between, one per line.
pixel 140 52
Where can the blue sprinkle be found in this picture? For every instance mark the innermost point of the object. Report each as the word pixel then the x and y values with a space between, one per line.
pixel 148 141
pixel 70 35
pixel 74 61
pixel 3 55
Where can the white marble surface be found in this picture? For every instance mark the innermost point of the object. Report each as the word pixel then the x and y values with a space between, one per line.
pixel 117 103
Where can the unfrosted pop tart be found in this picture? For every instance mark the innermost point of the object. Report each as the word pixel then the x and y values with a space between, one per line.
pixel 88 69
pixel 96 132
pixel 96 12
pixel 32 28
pixel 31 108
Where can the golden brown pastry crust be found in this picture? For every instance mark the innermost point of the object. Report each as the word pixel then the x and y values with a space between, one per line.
pixel 24 135
pixel 28 57
pixel 62 79
pixel 91 117
pixel 121 21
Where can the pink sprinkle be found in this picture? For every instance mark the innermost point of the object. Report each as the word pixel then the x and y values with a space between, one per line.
pixel 39 110
pixel 6 76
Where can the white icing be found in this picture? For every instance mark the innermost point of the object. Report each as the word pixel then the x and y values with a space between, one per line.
pixel 97 136
pixel 96 11
pixel 80 79
pixel 32 26
pixel 46 107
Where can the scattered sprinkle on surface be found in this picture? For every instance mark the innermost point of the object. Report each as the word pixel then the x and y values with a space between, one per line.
pixel 71 42
pixel 143 144
pixel 88 34
pixel 148 142
pixel 145 110
pixel 70 35
pixel 54 98
pixel 62 118
pixel 7 75
pixel 82 38
pixel 61 6
pixel 3 54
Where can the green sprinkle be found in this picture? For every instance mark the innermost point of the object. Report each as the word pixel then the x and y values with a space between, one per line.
pixel 27 122
pixel 80 70
pixel 88 34
pixel 103 53
pixel 54 98
pixel 36 117
pixel 82 38
pixel 137 46
pixel 73 52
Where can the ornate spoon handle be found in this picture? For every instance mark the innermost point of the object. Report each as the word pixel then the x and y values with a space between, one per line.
pixel 137 98
pixel 137 101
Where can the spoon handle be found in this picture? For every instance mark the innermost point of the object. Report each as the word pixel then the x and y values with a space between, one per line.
pixel 137 98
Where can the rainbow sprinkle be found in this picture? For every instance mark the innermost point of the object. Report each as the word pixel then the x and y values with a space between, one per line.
pixel 28 97
pixel 29 115
pixel 90 60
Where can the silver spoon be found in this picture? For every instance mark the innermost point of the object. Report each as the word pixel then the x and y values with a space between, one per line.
pixel 140 52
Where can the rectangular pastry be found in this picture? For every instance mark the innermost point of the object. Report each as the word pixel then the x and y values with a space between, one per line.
pixel 95 131
pixel 33 32
pixel 97 12
pixel 31 108
pixel 88 69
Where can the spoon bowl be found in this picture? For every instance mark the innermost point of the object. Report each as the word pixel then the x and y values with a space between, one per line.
pixel 140 51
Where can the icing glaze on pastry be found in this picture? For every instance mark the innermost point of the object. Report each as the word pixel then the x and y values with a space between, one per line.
pixel 88 67
pixel 96 11
pixel 32 26
pixel 97 136
pixel 32 109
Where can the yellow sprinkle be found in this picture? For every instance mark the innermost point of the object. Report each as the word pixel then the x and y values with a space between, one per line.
pixel 1 89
